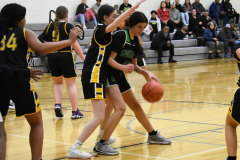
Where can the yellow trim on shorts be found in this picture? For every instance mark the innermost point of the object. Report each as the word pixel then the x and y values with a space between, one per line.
pixel 229 112
pixel 95 98
pixel 38 109
pixel 66 51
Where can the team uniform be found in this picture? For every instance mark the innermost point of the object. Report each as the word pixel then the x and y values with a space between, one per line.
pixel 61 62
pixel 94 73
pixel 234 110
pixel 14 53
pixel 126 51
pixel 141 63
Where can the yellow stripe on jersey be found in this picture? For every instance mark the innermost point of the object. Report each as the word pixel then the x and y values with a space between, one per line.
pixel 24 33
pixel 48 28
pixel 96 68
pixel 99 90
pixel 97 42
pixel 65 28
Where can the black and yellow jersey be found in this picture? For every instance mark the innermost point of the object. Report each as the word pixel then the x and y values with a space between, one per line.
pixel 95 64
pixel 63 34
pixel 14 49
pixel 125 48
pixel 236 47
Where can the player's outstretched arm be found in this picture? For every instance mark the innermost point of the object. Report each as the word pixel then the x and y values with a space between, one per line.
pixel 44 48
pixel 122 17
pixel 78 50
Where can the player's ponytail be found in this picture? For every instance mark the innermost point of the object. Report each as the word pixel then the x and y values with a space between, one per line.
pixel 10 15
pixel 104 10
pixel 61 11
pixel 135 18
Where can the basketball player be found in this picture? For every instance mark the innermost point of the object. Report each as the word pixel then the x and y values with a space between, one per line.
pixel 14 44
pixel 94 74
pixel 61 62
pixel 233 116
pixel 123 58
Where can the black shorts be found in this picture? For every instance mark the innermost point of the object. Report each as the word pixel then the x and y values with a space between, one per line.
pixel 234 109
pixel 141 63
pixel 62 63
pixel 25 99
pixel 118 79
pixel 93 91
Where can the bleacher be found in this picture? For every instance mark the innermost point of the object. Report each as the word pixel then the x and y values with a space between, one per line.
pixel 184 49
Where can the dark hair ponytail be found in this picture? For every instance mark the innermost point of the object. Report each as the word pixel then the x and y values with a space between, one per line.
pixel 135 18
pixel 10 15
pixel 104 10
pixel 61 11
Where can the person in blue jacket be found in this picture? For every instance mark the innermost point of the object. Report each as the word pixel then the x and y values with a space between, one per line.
pixel 211 40
pixel 216 11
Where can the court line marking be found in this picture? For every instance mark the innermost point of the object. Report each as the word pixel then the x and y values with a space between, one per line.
pixel 89 147
pixel 198 153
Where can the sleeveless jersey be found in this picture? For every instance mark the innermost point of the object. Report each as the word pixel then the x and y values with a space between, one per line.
pixel 14 48
pixel 63 34
pixel 125 48
pixel 95 64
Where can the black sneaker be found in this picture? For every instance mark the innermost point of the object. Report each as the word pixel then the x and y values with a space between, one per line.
pixel 58 110
pixel 217 55
pixel 210 56
pixel 172 60
pixel 160 61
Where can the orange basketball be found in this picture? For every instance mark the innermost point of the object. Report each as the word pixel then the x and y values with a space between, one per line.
pixel 152 91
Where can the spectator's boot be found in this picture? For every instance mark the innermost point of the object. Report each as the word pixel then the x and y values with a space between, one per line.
pixel 171 60
pixel 160 60
pixel 210 56
pixel 217 55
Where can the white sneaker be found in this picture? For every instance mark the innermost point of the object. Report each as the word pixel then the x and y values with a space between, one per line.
pixel 110 141
pixel 84 27
pixel 78 153
pixel 11 105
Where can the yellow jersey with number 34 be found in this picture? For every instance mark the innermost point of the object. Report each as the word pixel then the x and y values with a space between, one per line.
pixel 14 48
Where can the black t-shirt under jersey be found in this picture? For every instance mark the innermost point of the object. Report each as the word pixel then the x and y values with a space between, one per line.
pixel 125 48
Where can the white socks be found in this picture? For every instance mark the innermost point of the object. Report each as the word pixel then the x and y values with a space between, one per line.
pixel 100 133
pixel 77 143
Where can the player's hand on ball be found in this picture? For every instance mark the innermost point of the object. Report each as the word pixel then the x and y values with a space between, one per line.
pixel 34 73
pixel 151 77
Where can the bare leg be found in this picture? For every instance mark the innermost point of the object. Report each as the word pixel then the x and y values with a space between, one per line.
pixel 57 89
pixel 114 95
pixel 135 106
pixel 108 111
pixel 3 140
pixel 231 136
pixel 72 92
pixel 98 109
pixel 36 134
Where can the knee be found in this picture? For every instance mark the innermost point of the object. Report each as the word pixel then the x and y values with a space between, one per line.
pixel 120 110
pixel 99 119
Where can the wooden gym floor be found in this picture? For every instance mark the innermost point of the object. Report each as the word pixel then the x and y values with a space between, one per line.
pixel 191 114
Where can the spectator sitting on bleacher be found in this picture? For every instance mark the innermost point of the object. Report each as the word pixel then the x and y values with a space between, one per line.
pixel 96 7
pixel 80 13
pixel 234 33
pixel 168 4
pixel 154 24
pixel 225 36
pixel 211 40
pixel 184 16
pixel 164 15
pixel 216 11
pixel 116 7
pixel 195 25
pixel 182 34
pixel 227 7
pixel 161 42
pixel 205 19
pixel 125 6
pixel 199 7
pixel 175 16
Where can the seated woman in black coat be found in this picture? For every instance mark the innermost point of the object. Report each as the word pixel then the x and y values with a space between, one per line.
pixel 195 25
pixel 182 34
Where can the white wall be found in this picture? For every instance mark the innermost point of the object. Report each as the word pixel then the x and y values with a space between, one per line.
pixel 38 10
